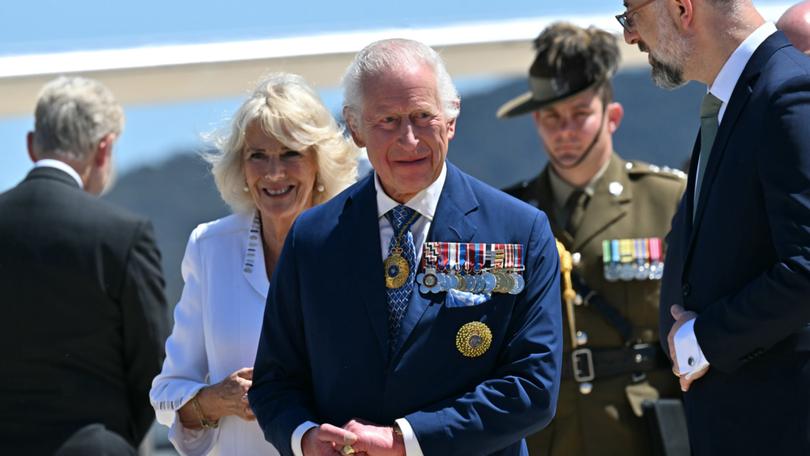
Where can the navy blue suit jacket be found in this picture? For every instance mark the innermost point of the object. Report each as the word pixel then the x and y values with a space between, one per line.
pixel 323 353
pixel 744 265
pixel 84 316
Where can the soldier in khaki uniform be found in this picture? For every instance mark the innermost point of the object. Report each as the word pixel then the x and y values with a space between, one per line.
pixel 591 195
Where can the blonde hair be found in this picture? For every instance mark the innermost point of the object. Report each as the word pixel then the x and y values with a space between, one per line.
pixel 290 111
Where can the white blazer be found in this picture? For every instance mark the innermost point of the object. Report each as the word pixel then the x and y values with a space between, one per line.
pixel 216 331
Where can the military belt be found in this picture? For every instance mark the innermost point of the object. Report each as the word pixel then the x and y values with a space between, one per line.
pixel 585 364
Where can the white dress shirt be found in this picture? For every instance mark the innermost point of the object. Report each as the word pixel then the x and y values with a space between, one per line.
pixel 689 355
pixel 424 203
pixel 217 323
pixel 62 166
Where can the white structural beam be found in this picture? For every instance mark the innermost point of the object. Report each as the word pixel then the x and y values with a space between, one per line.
pixel 172 73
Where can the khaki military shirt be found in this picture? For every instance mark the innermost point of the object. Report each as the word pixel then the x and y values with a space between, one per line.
pixel 630 200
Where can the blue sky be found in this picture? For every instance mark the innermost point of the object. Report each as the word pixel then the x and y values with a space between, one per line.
pixel 154 132
pixel 50 25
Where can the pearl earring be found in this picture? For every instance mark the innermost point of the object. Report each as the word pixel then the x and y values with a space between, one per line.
pixel 320 188
pixel 245 189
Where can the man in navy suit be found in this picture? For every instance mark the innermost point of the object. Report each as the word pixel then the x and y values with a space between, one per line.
pixel 735 297
pixel 362 349
pixel 84 316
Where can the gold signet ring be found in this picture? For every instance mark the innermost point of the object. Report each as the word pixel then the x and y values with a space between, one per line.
pixel 347 449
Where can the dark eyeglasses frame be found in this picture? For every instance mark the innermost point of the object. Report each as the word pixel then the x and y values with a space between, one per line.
pixel 624 18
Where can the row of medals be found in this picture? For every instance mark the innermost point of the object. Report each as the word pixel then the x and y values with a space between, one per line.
pixel 480 282
pixel 633 259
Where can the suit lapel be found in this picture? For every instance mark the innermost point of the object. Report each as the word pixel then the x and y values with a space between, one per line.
pixel 739 98
pixel 361 237
pixel 607 205
pixel 455 203
pixel 690 185
pixel 736 105
pixel 450 224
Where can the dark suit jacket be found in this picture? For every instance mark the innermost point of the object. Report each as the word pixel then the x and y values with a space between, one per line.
pixel 323 351
pixel 744 265
pixel 84 316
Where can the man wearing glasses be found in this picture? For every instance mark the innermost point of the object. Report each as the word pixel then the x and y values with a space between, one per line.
pixel 735 297
pixel 612 360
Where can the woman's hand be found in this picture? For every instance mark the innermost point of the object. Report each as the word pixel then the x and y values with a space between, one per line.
pixel 228 397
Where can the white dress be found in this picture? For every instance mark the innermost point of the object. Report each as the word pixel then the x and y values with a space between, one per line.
pixel 217 323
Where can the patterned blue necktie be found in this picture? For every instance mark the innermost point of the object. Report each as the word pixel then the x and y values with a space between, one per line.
pixel 401 219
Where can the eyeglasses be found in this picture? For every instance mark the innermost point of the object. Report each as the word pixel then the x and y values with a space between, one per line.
pixel 626 20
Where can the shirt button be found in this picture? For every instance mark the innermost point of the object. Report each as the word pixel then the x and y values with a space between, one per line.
pixel 690 361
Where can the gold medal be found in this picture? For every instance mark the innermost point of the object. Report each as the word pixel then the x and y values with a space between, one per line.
pixel 473 339
pixel 396 269
pixel 503 282
pixel 461 282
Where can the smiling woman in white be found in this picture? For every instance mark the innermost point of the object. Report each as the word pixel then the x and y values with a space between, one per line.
pixel 284 153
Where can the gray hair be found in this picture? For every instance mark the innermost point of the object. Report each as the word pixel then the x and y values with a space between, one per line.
pixel 72 115
pixel 290 111
pixel 392 55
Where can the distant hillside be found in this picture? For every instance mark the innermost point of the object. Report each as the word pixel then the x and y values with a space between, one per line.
pixel 658 127
pixel 176 195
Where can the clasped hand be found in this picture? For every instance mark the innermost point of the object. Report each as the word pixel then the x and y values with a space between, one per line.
pixel 228 397
pixel 355 437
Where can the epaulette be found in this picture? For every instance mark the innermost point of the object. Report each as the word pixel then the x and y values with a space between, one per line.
pixel 517 188
pixel 637 168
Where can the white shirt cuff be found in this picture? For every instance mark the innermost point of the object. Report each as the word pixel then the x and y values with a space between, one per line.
pixel 192 442
pixel 298 436
pixel 687 350
pixel 412 447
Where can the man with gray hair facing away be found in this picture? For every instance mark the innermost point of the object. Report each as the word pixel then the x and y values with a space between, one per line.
pixel 84 312
pixel 417 312
pixel 795 24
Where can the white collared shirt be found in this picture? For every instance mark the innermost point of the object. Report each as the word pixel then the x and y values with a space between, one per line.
pixel 62 166
pixel 424 203
pixel 689 355
pixel 726 80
